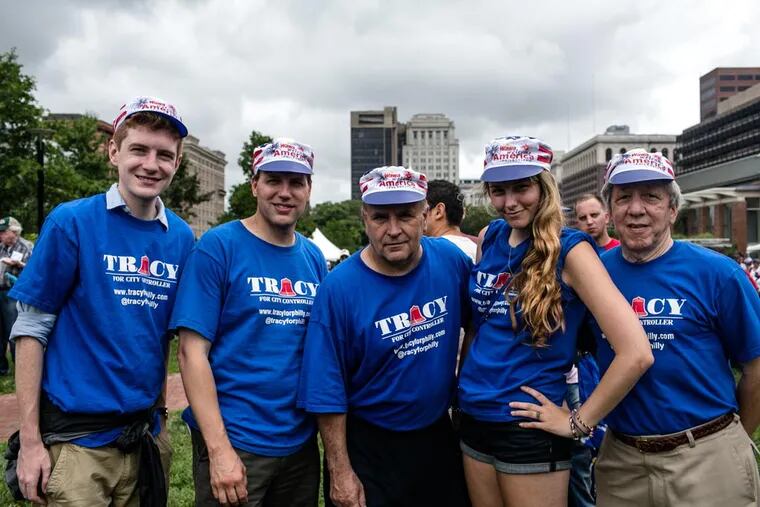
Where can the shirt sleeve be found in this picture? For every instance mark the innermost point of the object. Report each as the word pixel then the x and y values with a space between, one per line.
pixel 201 293
pixel 52 271
pixel 32 322
pixel 322 385
pixel 738 315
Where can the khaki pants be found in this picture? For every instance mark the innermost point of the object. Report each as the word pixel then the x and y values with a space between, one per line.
pixel 101 476
pixel 718 470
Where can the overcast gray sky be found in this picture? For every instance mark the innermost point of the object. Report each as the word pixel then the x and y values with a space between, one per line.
pixel 558 70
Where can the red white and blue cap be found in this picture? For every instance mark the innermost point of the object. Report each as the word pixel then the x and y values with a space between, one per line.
pixel 150 105
pixel 393 185
pixel 515 158
pixel 283 155
pixel 638 165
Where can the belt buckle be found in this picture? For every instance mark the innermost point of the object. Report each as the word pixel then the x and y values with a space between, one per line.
pixel 641 441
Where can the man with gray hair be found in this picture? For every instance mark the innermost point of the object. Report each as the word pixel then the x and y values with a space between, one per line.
pixel 682 435
pixel 380 355
pixel 14 254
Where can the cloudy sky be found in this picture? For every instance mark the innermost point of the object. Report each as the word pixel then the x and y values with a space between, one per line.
pixel 562 71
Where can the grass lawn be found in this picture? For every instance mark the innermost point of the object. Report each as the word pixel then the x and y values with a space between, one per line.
pixel 181 491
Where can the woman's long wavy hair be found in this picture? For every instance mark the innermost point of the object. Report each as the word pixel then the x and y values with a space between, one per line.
pixel 537 282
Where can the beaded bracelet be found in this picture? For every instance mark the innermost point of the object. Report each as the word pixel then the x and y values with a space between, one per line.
pixel 582 425
pixel 577 435
pixel 576 425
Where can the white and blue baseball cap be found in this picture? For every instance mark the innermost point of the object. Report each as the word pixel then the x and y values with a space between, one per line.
pixel 145 104
pixel 515 158
pixel 638 165
pixel 283 155
pixel 393 185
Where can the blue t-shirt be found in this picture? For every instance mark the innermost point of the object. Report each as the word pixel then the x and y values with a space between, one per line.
pixel 384 347
pixel 111 278
pixel 499 360
pixel 252 300
pixel 698 310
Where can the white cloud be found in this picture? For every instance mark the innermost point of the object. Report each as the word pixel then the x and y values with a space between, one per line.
pixel 558 70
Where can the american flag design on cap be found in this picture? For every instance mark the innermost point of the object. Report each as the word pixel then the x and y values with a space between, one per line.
pixel 393 185
pixel 150 105
pixel 515 157
pixel 638 165
pixel 283 155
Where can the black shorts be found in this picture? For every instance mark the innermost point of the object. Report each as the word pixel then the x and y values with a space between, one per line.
pixel 419 468
pixel 512 449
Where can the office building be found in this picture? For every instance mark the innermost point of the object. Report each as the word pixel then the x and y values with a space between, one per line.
pixel 208 165
pixel 374 143
pixel 718 170
pixel 581 170
pixel 721 83
pixel 432 147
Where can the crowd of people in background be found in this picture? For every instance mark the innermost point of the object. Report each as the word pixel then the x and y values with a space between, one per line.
pixel 535 364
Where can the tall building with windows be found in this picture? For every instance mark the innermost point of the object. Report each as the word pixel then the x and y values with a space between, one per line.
pixel 432 147
pixel 374 143
pixel 721 83
pixel 718 170
pixel 582 168
pixel 209 166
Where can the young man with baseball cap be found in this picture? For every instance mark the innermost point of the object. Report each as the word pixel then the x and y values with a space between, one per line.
pixel 380 355
pixel 682 434
pixel 105 272
pixel 242 309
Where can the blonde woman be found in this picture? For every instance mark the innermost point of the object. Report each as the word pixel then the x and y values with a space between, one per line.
pixel 530 290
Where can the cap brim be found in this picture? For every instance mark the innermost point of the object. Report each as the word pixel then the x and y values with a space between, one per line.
pixel 392 197
pixel 637 176
pixel 510 173
pixel 284 166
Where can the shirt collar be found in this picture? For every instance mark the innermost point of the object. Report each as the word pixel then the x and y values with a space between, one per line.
pixel 115 200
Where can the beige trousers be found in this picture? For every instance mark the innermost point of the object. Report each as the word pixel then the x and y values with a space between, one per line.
pixel 102 476
pixel 718 470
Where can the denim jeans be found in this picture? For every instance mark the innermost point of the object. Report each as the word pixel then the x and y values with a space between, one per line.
pixel 581 490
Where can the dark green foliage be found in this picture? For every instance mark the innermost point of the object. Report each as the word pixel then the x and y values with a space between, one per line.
pixel 341 222
pixel 475 218
pixel 246 154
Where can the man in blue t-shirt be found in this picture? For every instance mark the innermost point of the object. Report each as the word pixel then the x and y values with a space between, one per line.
pixel 380 356
pixel 682 434
pixel 91 335
pixel 242 309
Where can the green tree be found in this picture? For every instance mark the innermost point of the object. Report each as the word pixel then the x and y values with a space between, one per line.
pixel 241 203
pixel 76 160
pixel 246 154
pixel 19 114
pixel 341 223
pixel 475 218
pixel 184 192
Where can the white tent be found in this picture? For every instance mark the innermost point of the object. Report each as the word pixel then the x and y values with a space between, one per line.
pixel 331 252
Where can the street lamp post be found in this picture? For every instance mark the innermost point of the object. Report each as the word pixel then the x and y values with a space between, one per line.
pixel 41 133
pixel 40 183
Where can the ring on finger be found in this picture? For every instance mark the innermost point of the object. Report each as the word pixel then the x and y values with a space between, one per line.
pixel 538 415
